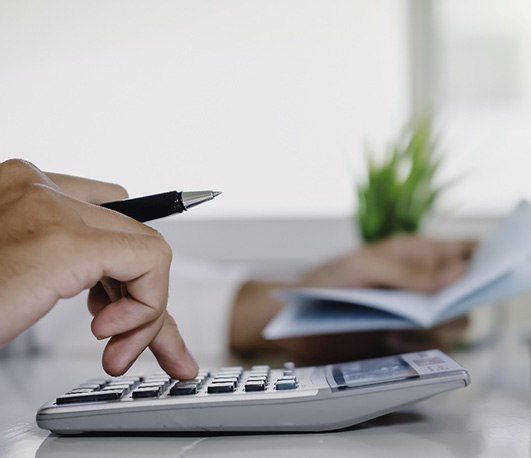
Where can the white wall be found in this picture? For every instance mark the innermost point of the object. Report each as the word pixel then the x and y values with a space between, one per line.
pixel 267 100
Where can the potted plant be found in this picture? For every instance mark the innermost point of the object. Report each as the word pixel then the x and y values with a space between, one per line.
pixel 400 190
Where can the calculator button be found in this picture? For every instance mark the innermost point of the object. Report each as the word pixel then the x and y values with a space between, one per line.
pixel 221 388
pixel 157 379
pixel 225 380
pixel 152 385
pixel 93 396
pixel 121 383
pixel 181 388
pixel 258 377
pixel 289 366
pixel 199 381
pixel 236 375
pixel 81 390
pixel 122 388
pixel 262 379
pixel 122 391
pixel 286 385
pixel 161 386
pixel 231 369
pixel 129 378
pixel 262 368
pixel 90 386
pixel 99 381
pixel 148 392
pixel 255 386
pixel 257 372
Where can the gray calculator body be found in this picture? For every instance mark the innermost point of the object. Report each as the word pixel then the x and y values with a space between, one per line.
pixel 316 398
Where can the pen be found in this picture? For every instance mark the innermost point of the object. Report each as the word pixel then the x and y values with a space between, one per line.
pixel 156 206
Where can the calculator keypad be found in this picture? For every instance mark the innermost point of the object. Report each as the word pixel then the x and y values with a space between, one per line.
pixel 233 379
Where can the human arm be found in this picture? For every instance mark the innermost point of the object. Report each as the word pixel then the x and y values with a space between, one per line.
pixel 54 243
pixel 404 262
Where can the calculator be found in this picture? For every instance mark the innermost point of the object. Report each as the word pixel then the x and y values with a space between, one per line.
pixel 257 399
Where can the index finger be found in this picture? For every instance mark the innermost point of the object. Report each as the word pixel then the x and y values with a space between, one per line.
pixel 164 341
pixel 171 352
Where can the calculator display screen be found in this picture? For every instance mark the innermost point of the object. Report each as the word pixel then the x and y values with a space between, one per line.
pixel 371 371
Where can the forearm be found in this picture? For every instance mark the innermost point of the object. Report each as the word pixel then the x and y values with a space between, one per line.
pixel 409 263
pixel 253 308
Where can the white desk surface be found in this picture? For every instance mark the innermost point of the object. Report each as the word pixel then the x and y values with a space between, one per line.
pixel 490 418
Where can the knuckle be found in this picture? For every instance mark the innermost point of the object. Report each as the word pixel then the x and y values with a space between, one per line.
pixel 158 249
pixel 15 175
pixel 153 232
pixel 16 165
pixel 164 250
pixel 170 321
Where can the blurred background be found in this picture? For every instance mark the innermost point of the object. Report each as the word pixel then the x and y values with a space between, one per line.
pixel 271 101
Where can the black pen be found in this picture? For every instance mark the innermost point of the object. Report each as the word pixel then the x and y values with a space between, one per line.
pixel 156 206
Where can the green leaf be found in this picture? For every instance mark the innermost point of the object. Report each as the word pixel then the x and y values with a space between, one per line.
pixel 400 190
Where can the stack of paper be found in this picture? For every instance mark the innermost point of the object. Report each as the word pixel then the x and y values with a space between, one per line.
pixel 500 269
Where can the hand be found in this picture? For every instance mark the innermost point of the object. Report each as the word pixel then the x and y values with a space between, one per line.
pixel 404 262
pixel 55 244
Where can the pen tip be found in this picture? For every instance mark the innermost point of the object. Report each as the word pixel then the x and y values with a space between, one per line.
pixel 216 193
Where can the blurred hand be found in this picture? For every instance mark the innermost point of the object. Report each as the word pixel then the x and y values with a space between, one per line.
pixel 403 262
pixel 54 243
